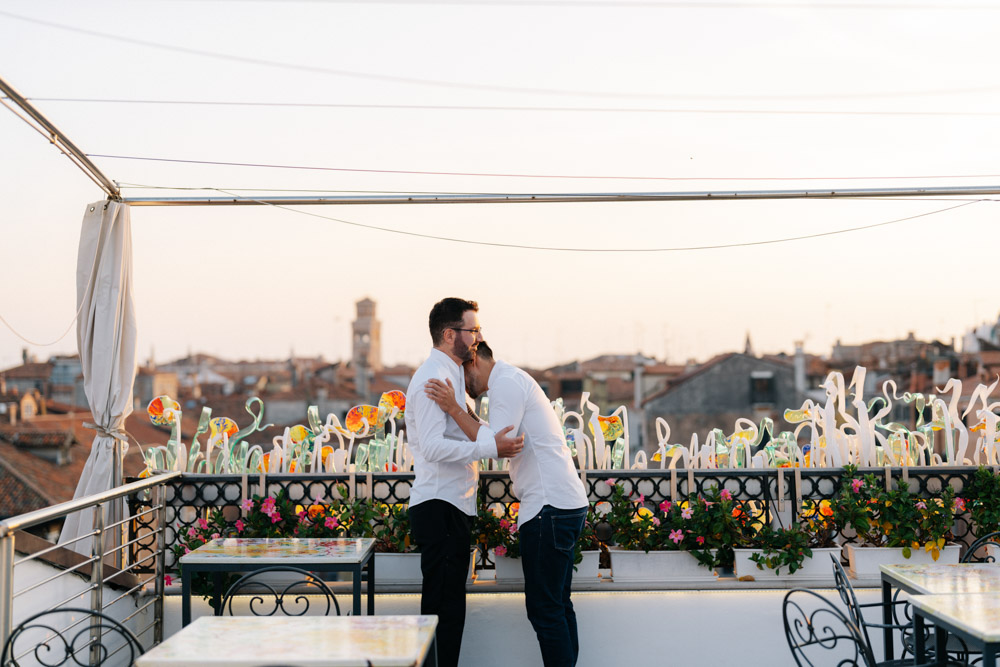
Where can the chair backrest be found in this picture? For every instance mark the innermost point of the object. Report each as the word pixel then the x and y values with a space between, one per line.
pixel 847 596
pixel 818 633
pixel 45 639
pixel 290 596
pixel 986 557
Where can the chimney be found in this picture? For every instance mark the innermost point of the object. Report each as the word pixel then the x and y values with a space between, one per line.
pixel 13 413
pixel 800 368
pixel 25 357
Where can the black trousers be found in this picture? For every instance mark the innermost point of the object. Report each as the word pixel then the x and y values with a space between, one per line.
pixel 443 533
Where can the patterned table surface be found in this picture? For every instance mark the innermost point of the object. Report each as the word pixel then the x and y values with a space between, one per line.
pixel 281 551
pixel 976 613
pixel 307 641
pixel 942 579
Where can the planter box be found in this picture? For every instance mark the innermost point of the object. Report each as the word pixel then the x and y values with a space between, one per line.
pixel 398 569
pixel 658 567
pixel 404 569
pixel 864 561
pixel 816 569
pixel 587 569
pixel 508 570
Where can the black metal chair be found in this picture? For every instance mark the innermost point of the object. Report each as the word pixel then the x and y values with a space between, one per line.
pixel 91 639
pixel 970 553
pixel 898 608
pixel 291 598
pixel 818 633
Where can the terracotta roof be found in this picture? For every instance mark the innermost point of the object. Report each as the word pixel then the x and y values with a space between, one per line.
pixel 714 361
pixel 32 371
pixel 18 495
pixel 30 437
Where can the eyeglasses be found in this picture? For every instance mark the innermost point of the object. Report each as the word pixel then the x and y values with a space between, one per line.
pixel 474 332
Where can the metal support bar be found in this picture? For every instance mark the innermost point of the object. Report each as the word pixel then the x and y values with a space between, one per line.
pixel 6 586
pixel 160 499
pixel 61 140
pixel 97 581
pixel 578 197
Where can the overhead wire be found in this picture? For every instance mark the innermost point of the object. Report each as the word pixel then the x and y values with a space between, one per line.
pixel 412 172
pixel 523 109
pixel 519 246
pixel 464 85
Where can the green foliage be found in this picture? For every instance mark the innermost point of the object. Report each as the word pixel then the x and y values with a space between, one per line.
pixel 706 526
pixel 588 536
pixel 782 547
pixel 894 518
pixel 984 501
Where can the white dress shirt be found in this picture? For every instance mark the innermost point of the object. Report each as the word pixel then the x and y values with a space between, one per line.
pixel 543 473
pixel 445 461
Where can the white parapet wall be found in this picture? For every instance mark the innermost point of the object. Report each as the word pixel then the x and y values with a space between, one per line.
pixel 678 628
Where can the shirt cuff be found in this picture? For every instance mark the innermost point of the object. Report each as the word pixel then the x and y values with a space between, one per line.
pixel 486 442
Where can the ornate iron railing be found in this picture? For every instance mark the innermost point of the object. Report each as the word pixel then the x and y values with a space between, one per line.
pixel 770 494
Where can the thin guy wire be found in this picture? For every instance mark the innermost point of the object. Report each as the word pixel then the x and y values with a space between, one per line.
pixel 450 84
pixel 598 250
pixel 565 176
pixel 519 109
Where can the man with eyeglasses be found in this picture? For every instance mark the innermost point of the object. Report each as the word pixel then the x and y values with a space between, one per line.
pixel 553 499
pixel 446 468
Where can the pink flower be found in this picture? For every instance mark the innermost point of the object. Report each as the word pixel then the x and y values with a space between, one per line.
pixel 246 505
pixel 331 522
pixel 726 495
pixel 921 505
pixel 700 540
pixel 642 498
pixel 687 513
pixel 187 550
pixel 959 504
pixel 665 506
pixel 676 536
pixel 610 481
pixel 216 536
pixel 167 580
pixel 302 515
pixel 203 524
pixel 856 485
pixel 239 525
pixel 275 518
pixel 656 521
pixel 192 532
pixel 501 550
pixel 504 523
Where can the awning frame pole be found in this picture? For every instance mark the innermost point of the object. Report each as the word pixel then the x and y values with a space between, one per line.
pixel 581 197
pixel 78 157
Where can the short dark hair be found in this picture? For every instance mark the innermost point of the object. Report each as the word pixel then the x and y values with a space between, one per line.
pixel 484 351
pixel 448 313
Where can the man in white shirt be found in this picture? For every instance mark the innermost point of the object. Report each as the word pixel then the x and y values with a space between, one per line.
pixel 553 500
pixel 446 467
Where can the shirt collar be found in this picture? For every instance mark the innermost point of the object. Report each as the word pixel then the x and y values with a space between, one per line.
pixel 442 356
pixel 489 380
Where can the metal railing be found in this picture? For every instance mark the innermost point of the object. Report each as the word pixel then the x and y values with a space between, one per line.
pixel 112 555
pixel 770 492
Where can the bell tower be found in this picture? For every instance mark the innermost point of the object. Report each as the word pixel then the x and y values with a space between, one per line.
pixel 366 347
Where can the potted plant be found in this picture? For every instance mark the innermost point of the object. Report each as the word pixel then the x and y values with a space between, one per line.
pixel 680 541
pixel 790 552
pixel 893 526
pixel 397 558
pixel 497 530
pixel 589 548
pixel 984 502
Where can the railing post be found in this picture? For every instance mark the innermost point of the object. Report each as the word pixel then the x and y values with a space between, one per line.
pixel 97 583
pixel 160 499
pixel 6 586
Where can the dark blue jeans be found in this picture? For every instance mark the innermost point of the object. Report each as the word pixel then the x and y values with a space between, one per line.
pixel 547 545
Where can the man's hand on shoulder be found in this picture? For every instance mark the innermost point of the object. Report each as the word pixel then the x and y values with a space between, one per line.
pixel 508 447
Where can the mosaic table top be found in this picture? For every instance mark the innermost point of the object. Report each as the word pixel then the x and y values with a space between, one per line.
pixel 978 614
pixel 281 551
pixel 306 641
pixel 934 578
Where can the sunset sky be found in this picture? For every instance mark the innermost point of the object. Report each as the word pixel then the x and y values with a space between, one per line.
pixel 673 96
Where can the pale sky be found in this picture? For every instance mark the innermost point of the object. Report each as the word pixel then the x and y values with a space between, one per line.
pixel 254 282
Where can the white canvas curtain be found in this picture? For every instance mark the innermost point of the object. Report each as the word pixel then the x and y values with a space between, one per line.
pixel 106 337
